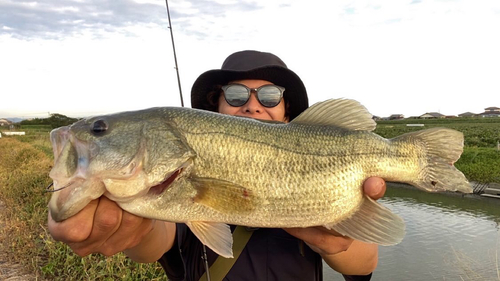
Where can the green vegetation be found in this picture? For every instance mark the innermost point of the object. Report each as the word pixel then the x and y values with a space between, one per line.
pixel 480 160
pixel 25 162
pixel 41 128
pixel 54 121
pixel 480 164
pixel 478 132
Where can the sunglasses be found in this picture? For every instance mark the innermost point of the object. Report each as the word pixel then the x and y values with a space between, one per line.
pixel 238 94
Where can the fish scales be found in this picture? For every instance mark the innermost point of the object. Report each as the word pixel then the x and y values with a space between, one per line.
pixel 209 170
pixel 297 186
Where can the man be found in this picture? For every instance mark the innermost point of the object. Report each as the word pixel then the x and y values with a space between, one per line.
pixel 251 84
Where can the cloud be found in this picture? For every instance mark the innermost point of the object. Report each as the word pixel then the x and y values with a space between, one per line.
pixel 212 19
pixel 373 51
pixel 57 19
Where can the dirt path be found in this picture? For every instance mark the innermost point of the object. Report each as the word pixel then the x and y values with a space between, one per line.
pixel 10 271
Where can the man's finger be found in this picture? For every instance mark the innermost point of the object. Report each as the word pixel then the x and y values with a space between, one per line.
pixel 374 187
pixel 76 228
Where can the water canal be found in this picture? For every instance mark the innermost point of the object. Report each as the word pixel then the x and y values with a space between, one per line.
pixel 448 237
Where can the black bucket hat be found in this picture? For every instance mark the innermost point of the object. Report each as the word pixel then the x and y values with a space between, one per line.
pixel 252 65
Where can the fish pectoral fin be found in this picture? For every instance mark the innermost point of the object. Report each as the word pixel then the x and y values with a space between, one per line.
pixel 224 196
pixel 217 236
pixel 372 223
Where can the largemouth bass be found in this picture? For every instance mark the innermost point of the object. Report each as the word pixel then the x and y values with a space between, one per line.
pixel 209 170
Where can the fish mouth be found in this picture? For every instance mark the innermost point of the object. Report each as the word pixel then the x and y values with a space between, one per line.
pixel 163 186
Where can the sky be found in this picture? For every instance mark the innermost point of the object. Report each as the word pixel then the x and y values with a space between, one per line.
pixel 90 57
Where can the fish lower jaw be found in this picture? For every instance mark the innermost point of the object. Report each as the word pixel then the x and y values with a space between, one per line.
pixel 153 191
pixel 122 199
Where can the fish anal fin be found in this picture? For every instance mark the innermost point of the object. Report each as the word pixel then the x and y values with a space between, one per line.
pixel 216 236
pixel 372 223
pixel 224 196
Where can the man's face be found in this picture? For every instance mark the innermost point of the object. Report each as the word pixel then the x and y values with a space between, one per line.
pixel 253 108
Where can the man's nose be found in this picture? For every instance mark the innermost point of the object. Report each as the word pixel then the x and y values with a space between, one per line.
pixel 253 104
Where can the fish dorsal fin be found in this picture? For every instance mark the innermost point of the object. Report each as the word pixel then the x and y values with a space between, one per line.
pixel 343 113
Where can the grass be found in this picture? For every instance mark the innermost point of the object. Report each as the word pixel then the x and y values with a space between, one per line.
pixel 478 132
pixel 25 163
pixel 480 161
pixel 480 164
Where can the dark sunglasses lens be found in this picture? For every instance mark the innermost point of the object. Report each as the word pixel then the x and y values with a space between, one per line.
pixel 236 95
pixel 269 96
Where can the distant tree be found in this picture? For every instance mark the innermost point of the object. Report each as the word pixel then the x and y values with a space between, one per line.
pixel 54 121
pixel 57 120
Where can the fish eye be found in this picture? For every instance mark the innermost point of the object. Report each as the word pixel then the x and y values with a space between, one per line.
pixel 99 127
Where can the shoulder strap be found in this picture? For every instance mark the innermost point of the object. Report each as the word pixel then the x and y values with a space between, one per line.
pixel 221 266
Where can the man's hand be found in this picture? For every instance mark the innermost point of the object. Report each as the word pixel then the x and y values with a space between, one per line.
pixel 329 243
pixel 101 227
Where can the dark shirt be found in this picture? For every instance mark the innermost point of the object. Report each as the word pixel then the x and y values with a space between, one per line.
pixel 270 254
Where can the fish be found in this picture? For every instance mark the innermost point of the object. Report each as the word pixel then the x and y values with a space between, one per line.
pixel 209 170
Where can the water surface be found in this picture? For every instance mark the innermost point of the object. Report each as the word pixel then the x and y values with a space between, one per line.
pixel 448 237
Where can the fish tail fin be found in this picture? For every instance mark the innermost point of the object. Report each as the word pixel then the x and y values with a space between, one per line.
pixel 443 148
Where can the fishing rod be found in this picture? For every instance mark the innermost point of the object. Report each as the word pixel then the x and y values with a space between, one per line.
pixel 204 256
pixel 175 56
